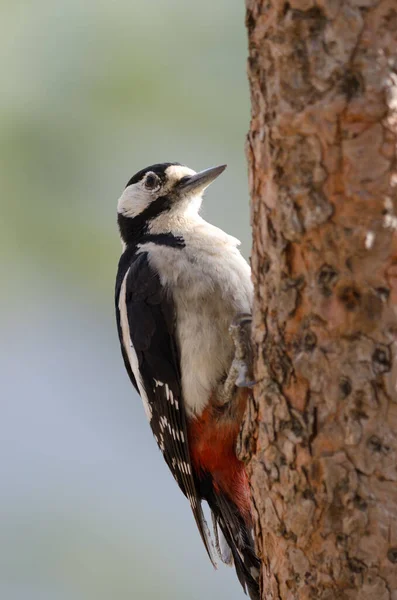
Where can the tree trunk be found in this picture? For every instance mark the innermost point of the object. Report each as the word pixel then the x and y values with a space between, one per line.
pixel 320 440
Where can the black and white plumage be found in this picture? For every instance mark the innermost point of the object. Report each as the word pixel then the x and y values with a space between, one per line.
pixel 179 284
pixel 147 332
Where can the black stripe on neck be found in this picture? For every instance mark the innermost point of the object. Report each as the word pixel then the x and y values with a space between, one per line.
pixel 163 239
pixel 131 252
pixel 132 228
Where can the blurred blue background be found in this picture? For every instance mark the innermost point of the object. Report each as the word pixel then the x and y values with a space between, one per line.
pixel 92 92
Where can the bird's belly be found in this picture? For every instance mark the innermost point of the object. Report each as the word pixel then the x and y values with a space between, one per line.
pixel 206 351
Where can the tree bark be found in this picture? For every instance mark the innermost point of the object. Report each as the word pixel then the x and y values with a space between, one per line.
pixel 320 438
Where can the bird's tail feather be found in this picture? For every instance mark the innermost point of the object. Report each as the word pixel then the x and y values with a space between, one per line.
pixel 239 543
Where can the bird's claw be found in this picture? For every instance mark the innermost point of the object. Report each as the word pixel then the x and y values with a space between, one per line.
pixel 240 330
pixel 240 373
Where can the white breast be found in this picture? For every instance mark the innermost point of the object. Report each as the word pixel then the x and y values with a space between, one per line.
pixel 210 283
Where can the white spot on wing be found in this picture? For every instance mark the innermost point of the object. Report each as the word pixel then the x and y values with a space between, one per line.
pixel 184 467
pixel 129 348
pixel 177 435
pixel 192 500
pixel 163 423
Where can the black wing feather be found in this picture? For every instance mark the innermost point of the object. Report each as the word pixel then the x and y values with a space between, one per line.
pixel 151 320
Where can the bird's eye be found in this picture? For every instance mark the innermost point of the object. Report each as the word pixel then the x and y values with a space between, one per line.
pixel 151 181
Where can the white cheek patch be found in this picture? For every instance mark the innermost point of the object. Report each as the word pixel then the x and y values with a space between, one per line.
pixel 134 200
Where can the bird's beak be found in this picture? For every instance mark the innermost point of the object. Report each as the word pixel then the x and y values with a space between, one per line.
pixel 198 182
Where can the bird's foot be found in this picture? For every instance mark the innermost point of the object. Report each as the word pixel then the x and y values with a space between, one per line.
pixel 240 373
pixel 240 331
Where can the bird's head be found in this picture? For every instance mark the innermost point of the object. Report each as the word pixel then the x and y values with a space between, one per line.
pixel 159 194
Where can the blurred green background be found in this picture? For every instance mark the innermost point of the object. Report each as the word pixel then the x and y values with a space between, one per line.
pixel 92 92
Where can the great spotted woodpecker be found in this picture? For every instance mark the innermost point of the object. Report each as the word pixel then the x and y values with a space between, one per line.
pixel 180 284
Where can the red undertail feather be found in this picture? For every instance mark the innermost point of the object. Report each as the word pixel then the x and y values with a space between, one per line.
pixel 212 441
pixel 212 445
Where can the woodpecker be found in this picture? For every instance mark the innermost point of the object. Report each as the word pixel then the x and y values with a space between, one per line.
pixel 180 284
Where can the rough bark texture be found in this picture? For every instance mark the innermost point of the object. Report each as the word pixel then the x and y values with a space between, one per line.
pixel 320 440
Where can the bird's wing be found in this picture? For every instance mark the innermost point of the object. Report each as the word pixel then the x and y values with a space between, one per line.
pixel 146 323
